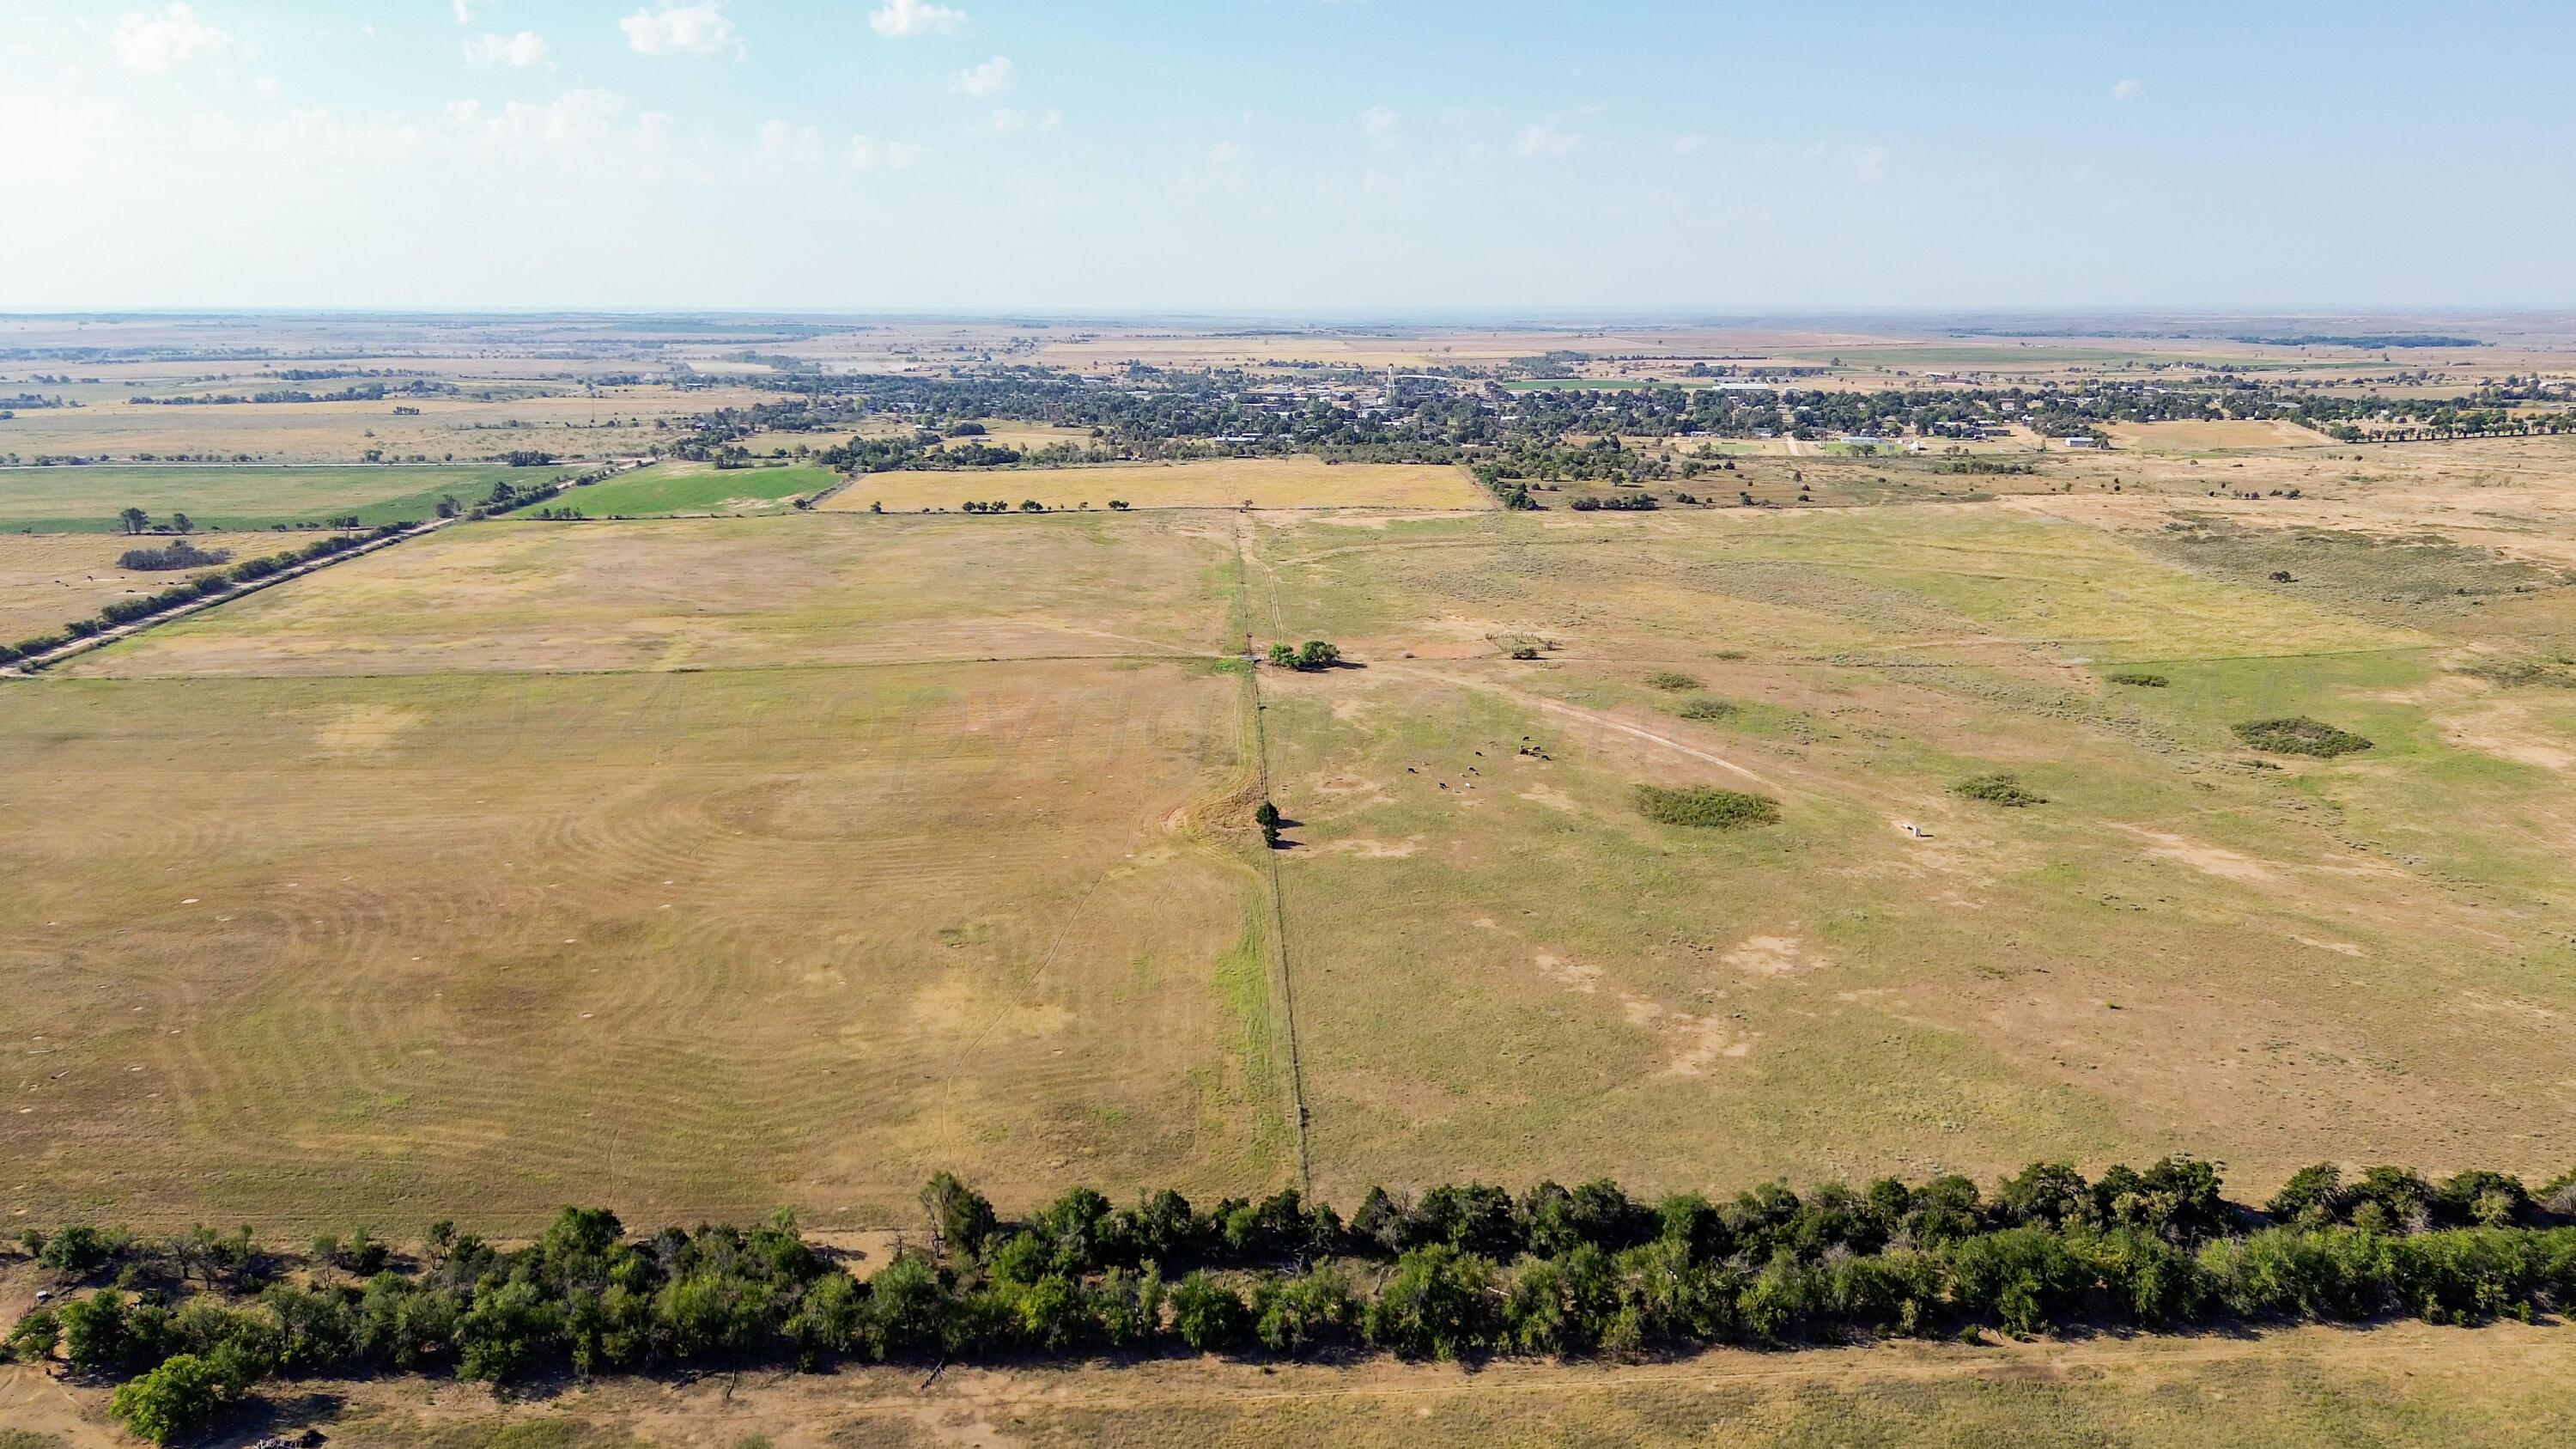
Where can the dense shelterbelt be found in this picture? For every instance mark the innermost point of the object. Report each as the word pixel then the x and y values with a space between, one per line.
pixel 194 1323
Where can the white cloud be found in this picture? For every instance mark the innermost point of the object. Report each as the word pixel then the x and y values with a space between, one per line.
pixel 266 86
pixel 1052 119
pixel 579 128
pixel 1686 145
pixel 682 30
pixel 520 51
pixel 989 79
pixel 1377 120
pixel 899 19
pixel 1869 165
pixel 868 153
pixel 1542 138
pixel 1229 153
pixel 1001 122
pixel 2122 90
pixel 464 12
pixel 159 44
pixel 779 137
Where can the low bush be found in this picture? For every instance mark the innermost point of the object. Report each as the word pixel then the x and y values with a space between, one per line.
pixel 1705 707
pixel 1670 679
pixel 1704 807
pixel 1998 790
pixel 2299 735
pixel 2140 678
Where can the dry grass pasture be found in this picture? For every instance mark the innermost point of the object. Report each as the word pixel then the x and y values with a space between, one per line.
pixel 805 589
pixel 50 579
pixel 224 496
pixel 1503 969
pixel 1225 483
pixel 2409 1384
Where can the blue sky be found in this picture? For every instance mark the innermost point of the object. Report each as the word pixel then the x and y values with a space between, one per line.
pixel 1283 155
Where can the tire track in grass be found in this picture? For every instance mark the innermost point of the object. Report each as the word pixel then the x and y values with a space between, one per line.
pixel 1278 899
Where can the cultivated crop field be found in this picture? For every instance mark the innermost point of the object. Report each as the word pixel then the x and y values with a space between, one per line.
pixel 223 496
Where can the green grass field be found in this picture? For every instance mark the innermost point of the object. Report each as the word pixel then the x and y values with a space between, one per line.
pixel 88 499
pixel 681 487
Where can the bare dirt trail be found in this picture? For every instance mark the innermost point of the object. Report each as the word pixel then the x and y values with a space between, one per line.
pixel 1601 719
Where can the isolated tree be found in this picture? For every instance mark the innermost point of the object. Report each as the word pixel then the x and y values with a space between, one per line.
pixel 134 520
pixel 1316 654
pixel 1283 656
pixel 179 521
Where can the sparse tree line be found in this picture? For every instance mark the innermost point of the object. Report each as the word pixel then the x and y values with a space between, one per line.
pixel 127 611
pixel 192 1323
pixel 363 392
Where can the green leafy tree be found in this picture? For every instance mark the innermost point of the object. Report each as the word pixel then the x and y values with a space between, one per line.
pixel 960 1217
pixel 134 520
pixel 177 1399
pixel 1209 1316
pixel 1316 654
pixel 35 1337
pixel 1438 1303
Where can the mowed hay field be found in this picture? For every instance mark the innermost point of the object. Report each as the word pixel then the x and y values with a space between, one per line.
pixel 88 499
pixel 1504 970
pixel 684 487
pixel 2215 435
pixel 1225 483
pixel 701 593
pixel 843 828
pixel 388 950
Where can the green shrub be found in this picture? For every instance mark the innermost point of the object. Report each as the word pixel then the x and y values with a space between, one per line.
pixel 1705 707
pixel 2140 678
pixel 2299 735
pixel 1998 790
pixel 1706 808
pixel 1669 679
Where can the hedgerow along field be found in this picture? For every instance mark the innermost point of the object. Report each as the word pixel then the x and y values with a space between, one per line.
pixel 88 499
